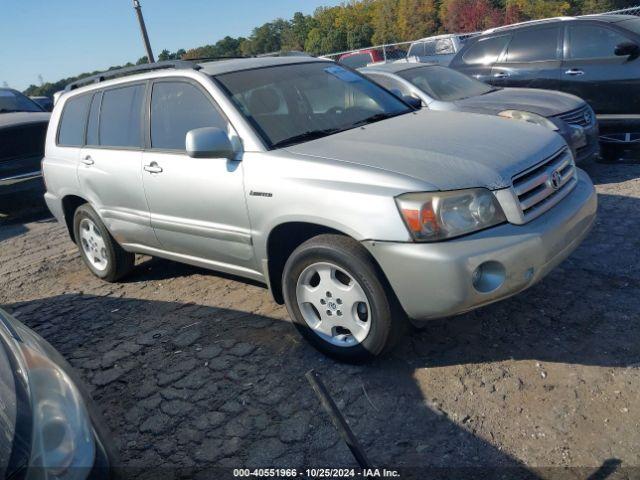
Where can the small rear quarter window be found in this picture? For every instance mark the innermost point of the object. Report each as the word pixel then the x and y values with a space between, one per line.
pixel 73 121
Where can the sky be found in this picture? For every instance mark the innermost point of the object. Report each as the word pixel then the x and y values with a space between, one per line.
pixel 55 39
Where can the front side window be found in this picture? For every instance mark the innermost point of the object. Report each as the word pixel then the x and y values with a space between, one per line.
pixel 12 101
pixel 445 84
pixel 177 108
pixel 416 50
pixel 485 51
pixel 391 84
pixel 534 45
pixel 592 41
pixel 121 117
pixel 633 25
pixel 73 122
pixel 320 98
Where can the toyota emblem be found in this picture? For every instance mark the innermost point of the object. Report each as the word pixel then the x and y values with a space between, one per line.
pixel 587 117
pixel 556 180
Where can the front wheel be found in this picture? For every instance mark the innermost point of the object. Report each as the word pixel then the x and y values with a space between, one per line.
pixel 338 301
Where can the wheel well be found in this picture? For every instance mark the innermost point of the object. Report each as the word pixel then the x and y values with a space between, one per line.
pixel 283 240
pixel 70 204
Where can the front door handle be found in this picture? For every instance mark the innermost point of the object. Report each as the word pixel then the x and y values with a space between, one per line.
pixel 153 167
pixel 574 71
pixel 500 75
pixel 88 160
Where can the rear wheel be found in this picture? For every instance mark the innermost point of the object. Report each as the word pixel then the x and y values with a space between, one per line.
pixel 99 251
pixel 338 300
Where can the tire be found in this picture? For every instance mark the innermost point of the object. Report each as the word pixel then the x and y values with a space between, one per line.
pixel 611 153
pixel 96 243
pixel 325 269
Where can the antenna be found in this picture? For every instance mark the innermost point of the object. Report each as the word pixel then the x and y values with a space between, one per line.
pixel 143 29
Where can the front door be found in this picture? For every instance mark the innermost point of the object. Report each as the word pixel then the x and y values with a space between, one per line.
pixel 591 70
pixel 197 205
pixel 110 167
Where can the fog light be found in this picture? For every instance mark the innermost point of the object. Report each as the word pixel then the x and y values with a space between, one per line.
pixel 489 276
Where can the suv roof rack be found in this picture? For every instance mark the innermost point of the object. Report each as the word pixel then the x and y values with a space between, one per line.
pixel 528 22
pixel 123 72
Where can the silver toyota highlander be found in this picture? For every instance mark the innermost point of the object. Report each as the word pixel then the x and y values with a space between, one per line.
pixel 355 209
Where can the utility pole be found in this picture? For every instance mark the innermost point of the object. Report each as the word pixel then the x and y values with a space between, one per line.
pixel 143 29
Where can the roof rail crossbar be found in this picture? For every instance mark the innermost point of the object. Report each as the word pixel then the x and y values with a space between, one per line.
pixel 123 72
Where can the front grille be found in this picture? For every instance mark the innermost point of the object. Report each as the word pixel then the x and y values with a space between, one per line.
pixel 22 141
pixel 543 186
pixel 582 116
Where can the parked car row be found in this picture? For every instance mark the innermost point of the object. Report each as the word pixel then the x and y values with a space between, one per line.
pixel 594 57
pixel 358 210
pixel 441 88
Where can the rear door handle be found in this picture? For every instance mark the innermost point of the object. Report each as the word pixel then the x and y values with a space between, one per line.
pixel 574 71
pixel 153 167
pixel 88 160
pixel 500 75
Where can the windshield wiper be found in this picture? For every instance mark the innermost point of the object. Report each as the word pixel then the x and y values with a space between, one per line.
pixel 376 118
pixel 305 137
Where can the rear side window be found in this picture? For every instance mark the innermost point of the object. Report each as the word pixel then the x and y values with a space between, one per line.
pixel 121 117
pixel 592 41
pixel 73 122
pixel 534 45
pixel 176 108
pixel 357 61
pixel 485 52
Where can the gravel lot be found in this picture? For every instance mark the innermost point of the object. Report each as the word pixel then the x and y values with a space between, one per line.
pixel 194 369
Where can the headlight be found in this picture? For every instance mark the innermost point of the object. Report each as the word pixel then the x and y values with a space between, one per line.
pixel 440 215
pixel 529 118
pixel 62 446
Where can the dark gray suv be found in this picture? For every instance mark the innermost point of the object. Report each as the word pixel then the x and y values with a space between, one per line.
pixel 593 57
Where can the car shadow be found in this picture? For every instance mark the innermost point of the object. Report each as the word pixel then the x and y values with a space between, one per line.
pixel 18 208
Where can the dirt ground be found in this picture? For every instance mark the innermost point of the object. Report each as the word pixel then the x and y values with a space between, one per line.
pixel 195 369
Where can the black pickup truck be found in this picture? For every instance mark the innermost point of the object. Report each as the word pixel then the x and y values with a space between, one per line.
pixel 23 127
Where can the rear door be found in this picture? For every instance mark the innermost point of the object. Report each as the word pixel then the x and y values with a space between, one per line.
pixel 532 59
pixel 477 60
pixel 198 208
pixel 110 168
pixel 591 70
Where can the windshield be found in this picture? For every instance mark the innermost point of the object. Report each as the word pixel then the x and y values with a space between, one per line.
pixel 290 104
pixel 12 101
pixel 632 24
pixel 445 84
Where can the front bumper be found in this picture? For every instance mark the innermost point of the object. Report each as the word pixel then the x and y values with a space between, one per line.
pixel 434 280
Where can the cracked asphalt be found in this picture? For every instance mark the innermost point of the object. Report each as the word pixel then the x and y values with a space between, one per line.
pixel 192 369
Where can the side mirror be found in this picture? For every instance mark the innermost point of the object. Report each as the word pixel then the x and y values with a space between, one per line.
pixel 209 142
pixel 412 101
pixel 627 49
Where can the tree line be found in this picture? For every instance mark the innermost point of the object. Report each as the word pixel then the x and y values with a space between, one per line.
pixel 361 23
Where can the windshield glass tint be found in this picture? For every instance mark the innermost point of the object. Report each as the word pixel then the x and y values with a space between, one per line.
pixel 632 24
pixel 294 103
pixel 444 84
pixel 11 101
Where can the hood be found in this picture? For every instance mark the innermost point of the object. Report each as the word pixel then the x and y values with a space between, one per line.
pixel 13 119
pixel 543 102
pixel 446 150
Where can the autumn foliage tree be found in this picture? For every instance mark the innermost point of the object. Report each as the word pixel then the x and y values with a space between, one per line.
pixel 469 15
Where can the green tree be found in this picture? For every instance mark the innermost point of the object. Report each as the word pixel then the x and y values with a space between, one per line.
pixel 417 19
pixel 385 13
